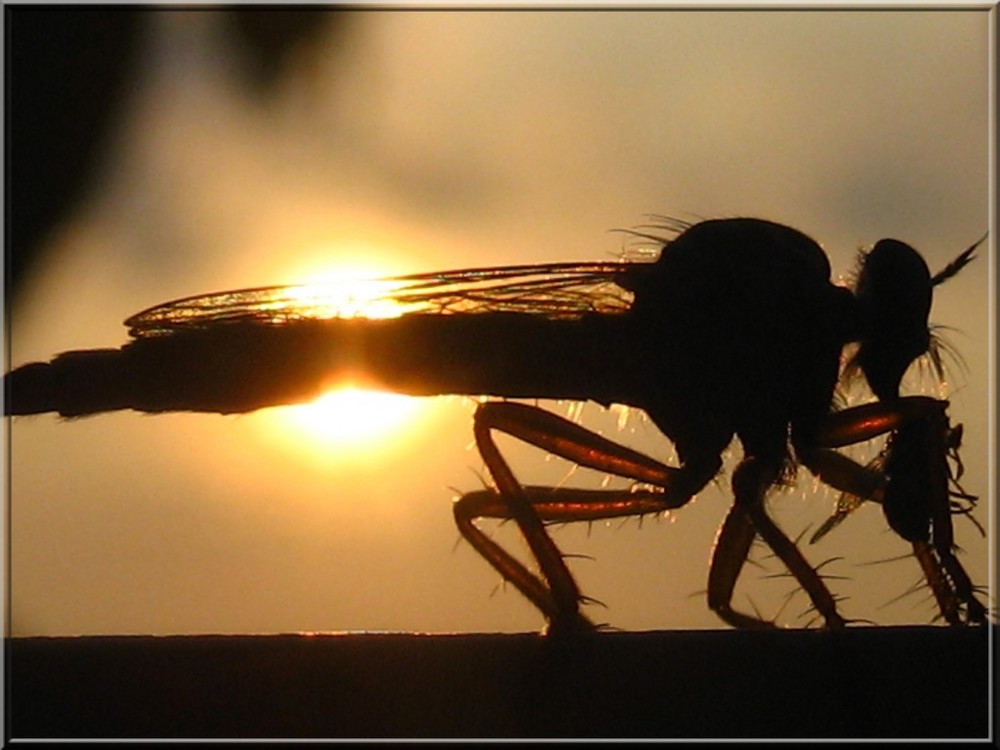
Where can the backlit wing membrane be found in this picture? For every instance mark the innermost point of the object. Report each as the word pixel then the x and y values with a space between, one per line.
pixel 558 290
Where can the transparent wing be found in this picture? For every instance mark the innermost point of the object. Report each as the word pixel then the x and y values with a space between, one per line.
pixel 559 290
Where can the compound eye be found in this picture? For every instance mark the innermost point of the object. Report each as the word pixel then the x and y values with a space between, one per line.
pixel 894 297
pixel 895 277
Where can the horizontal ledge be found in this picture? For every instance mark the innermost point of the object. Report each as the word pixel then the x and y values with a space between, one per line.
pixel 862 682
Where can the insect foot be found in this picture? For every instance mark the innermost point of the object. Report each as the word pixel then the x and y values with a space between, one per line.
pixel 569 625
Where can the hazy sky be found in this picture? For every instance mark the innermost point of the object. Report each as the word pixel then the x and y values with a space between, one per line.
pixel 431 140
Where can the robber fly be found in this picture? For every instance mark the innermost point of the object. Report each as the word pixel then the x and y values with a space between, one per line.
pixel 735 329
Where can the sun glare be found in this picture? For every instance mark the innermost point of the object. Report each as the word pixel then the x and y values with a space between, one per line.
pixel 347 296
pixel 352 416
pixel 347 421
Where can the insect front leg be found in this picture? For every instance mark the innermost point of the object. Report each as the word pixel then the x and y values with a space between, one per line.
pixel 912 481
pixel 955 594
pixel 554 592
pixel 857 425
pixel 934 573
pixel 951 585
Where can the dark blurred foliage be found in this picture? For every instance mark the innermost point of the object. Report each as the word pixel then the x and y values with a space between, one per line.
pixel 270 37
pixel 67 73
pixel 65 70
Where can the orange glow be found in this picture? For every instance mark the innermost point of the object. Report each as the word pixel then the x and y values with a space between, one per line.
pixel 352 417
pixel 351 295
pixel 347 423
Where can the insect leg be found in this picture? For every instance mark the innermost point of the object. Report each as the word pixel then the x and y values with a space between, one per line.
pixel 922 442
pixel 732 545
pixel 555 592
pixel 529 584
pixel 938 582
pixel 860 423
pixel 945 575
pixel 856 425
pixel 844 474
pixel 975 612
pixel 551 504
pixel 568 440
pixel 747 517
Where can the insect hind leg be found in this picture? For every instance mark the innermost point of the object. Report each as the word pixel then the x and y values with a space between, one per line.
pixel 555 592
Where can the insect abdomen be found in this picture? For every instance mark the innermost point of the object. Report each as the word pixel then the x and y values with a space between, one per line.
pixel 240 367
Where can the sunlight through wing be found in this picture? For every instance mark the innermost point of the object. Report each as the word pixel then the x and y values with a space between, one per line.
pixel 554 290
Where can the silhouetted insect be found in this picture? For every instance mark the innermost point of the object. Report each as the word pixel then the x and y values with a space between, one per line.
pixel 734 330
